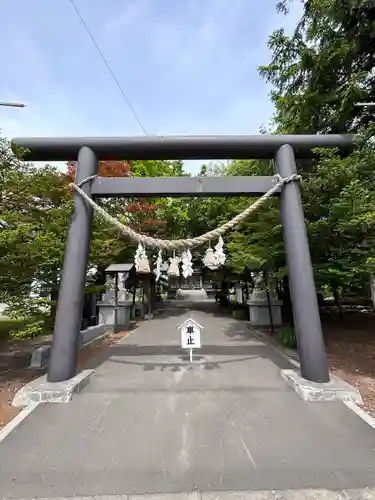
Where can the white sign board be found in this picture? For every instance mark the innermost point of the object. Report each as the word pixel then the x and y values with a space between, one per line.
pixel 190 332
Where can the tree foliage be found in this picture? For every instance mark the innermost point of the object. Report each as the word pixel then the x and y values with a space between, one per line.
pixel 318 74
pixel 36 204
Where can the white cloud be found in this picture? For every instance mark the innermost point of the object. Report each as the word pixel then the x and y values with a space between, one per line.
pixel 187 68
pixel 126 18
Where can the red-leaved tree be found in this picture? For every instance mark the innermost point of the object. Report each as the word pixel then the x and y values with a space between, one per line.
pixel 142 215
pixel 106 169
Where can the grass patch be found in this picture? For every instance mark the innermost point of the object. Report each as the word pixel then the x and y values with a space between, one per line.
pixel 287 337
pixel 7 324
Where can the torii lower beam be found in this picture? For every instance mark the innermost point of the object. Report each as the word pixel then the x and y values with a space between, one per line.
pixel 284 149
pixel 142 187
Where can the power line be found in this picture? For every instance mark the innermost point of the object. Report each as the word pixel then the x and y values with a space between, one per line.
pixel 108 66
pixel 13 104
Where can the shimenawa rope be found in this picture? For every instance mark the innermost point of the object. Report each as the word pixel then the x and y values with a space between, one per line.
pixel 148 241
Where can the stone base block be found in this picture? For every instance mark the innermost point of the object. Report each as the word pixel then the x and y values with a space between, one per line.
pixel 259 314
pixel 334 390
pixel 42 391
pixel 293 494
pixel 40 357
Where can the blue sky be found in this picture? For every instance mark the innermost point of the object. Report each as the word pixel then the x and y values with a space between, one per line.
pixel 187 67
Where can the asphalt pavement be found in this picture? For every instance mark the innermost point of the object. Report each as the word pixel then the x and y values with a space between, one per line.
pixel 151 422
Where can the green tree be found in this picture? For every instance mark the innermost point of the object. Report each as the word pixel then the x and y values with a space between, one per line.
pixel 324 68
pixel 36 203
pixel 318 74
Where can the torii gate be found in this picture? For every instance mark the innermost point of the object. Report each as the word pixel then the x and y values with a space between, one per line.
pixel 88 151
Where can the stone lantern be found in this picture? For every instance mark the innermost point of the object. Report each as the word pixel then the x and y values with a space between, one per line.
pixel 264 306
pixel 116 304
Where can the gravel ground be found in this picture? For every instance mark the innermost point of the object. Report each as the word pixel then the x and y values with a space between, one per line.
pixel 15 371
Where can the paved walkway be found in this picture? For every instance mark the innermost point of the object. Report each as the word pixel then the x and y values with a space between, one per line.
pixel 150 422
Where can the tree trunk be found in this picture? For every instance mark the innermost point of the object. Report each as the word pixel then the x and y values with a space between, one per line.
pixel 287 307
pixel 337 297
pixel 133 302
pixel 54 297
pixel 100 276
pixel 54 294
pixel 372 289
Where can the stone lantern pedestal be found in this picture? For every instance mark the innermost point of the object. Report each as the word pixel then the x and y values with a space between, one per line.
pixel 259 308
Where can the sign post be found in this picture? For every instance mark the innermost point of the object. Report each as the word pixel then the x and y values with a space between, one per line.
pixel 190 332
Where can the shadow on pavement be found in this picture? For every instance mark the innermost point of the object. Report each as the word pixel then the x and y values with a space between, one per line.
pixel 234 330
pixel 120 352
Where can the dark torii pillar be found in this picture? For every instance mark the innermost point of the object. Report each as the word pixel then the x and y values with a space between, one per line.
pixel 311 348
pixel 65 340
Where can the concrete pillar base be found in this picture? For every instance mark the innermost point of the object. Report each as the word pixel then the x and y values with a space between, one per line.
pixel 42 391
pixel 334 390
